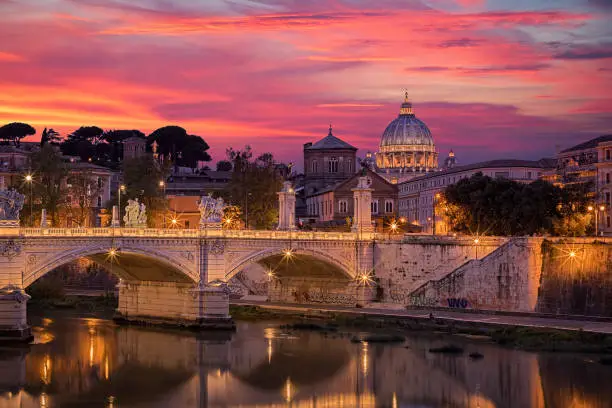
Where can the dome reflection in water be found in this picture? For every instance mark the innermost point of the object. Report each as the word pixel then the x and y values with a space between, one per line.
pixel 92 362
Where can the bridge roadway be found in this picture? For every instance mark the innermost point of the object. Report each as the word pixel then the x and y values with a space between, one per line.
pixel 480 319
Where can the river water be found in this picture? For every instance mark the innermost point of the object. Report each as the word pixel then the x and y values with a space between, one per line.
pixel 89 362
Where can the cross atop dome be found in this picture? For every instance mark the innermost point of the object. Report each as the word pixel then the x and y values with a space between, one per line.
pixel 330 130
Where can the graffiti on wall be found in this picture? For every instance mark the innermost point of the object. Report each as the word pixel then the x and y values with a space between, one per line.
pixel 458 303
pixel 321 295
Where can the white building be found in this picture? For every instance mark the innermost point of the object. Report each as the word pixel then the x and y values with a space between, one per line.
pixel 417 196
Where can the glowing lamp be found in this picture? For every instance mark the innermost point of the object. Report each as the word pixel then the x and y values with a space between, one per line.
pixel 590 208
pixel 476 240
pixel 28 178
pixel 572 254
pixel 602 208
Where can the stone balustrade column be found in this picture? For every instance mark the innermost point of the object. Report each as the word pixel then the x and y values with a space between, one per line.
pixel 362 196
pixel 286 207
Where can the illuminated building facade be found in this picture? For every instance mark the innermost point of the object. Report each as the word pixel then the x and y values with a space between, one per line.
pixel 407 149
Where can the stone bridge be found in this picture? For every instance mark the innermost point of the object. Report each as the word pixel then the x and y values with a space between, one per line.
pixel 174 273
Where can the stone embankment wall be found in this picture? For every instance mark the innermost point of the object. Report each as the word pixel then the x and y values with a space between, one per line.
pixel 403 266
pixel 554 275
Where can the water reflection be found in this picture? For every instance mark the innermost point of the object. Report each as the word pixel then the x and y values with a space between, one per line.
pixel 92 362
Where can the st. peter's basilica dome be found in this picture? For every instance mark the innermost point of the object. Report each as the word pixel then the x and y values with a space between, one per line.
pixel 406 146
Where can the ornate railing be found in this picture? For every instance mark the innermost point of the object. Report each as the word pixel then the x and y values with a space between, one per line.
pixel 191 233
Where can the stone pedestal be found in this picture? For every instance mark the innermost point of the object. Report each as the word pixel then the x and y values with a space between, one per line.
pixel 213 307
pixel 13 311
pixel 362 196
pixel 115 221
pixel 286 207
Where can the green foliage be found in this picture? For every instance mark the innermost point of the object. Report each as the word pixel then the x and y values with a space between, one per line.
pixel 141 177
pixel 254 186
pixel 184 149
pixel 14 132
pixel 48 188
pixel 47 288
pixel 489 206
pixel 50 137
pixel 85 189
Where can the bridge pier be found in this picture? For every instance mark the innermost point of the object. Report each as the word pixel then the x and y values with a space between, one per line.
pixel 13 315
pixel 173 303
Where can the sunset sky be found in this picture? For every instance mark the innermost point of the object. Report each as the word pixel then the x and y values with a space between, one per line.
pixel 491 78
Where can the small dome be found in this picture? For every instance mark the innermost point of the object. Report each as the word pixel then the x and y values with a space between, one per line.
pixel 406 129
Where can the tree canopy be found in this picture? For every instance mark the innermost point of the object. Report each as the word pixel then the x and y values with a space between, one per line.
pixel 14 132
pixel 253 187
pixel 182 148
pixel 50 136
pixel 499 206
pixel 224 165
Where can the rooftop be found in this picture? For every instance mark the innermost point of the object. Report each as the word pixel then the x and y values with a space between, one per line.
pixel 545 163
pixel 330 142
pixel 589 144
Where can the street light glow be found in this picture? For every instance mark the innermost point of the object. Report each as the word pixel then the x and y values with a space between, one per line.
pixel 288 253
pixel 572 254
pixel 590 208
pixel 122 187
pixel 394 226
pixel 476 240
pixel 602 208
pixel 161 183
pixel 29 178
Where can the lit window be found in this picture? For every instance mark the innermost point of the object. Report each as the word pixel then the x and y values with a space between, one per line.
pixel 315 166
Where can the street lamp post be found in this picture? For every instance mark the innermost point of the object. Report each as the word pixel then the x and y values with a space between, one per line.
pixel 246 209
pixel 119 191
pixel 433 211
pixel 162 185
pixel 29 179
pixel 597 210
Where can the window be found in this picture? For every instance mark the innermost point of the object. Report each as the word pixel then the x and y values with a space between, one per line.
pixel 342 207
pixel 502 174
pixel 99 182
pixel 607 178
pixel 529 175
pixel 388 206
pixel 608 221
pixel 99 201
pixel 375 207
pixel 349 166
pixel 608 198
pixel 186 223
pixel 315 166
pixel 607 154
pixel 333 165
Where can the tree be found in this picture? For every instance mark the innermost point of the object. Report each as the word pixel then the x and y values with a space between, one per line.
pixel 81 142
pixel 254 186
pixel 182 149
pixel 482 205
pixel 85 188
pixel 50 136
pixel 49 174
pixel 141 177
pixel 14 132
pixel 224 165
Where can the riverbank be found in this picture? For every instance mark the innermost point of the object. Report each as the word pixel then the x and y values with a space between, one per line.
pixel 532 335
pixel 531 338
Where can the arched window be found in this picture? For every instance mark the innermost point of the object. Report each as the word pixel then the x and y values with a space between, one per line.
pixel 333 165
pixel 315 166
pixel 99 201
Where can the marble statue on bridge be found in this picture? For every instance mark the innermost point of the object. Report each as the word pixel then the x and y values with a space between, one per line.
pixel 11 203
pixel 211 211
pixel 135 214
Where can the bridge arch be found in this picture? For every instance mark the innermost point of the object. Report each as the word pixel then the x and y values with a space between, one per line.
pixel 300 254
pixel 130 263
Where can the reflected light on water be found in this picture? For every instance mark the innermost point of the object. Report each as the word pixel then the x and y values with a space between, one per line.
pixel 394 401
pixel 44 400
pixel 106 368
pixel 46 370
pixel 364 357
pixel 289 391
